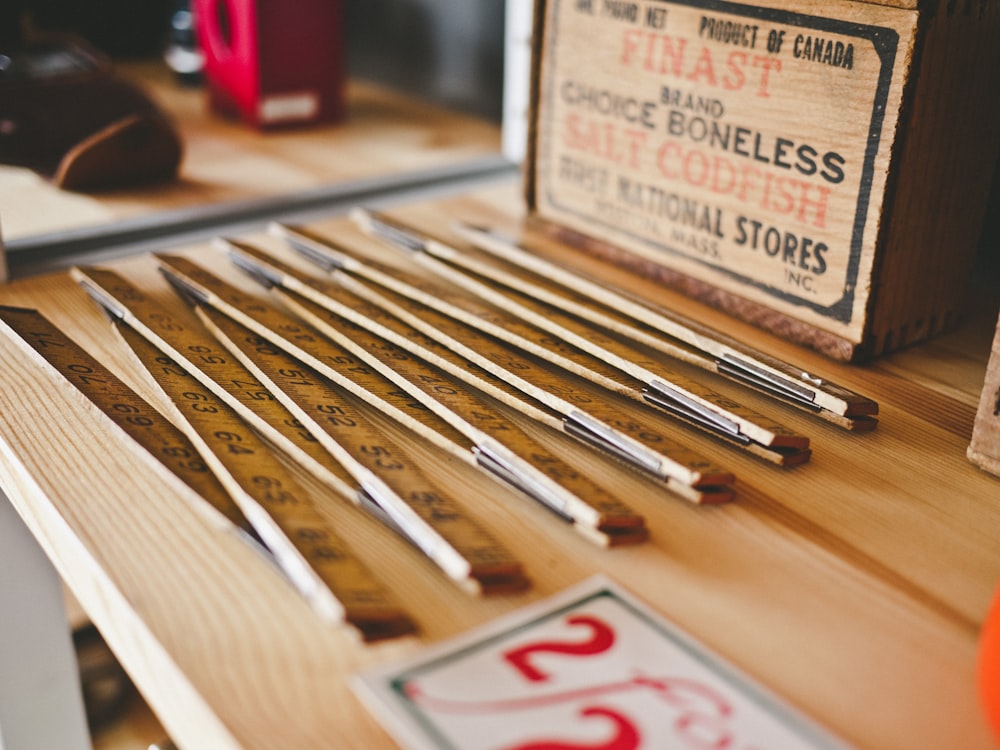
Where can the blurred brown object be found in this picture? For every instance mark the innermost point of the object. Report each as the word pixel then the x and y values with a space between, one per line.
pixel 64 114
pixel 105 686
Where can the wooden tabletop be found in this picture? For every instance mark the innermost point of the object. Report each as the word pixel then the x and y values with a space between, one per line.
pixel 385 133
pixel 853 586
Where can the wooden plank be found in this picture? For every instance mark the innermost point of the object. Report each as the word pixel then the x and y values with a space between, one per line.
pixel 853 587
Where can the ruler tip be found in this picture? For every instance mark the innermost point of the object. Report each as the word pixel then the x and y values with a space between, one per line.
pixel 188 292
pixel 106 303
pixel 280 230
pixel 389 230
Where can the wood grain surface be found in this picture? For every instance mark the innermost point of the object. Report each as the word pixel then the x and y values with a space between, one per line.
pixel 853 586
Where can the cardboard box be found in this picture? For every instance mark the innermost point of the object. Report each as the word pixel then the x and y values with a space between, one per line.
pixel 821 169
pixel 984 450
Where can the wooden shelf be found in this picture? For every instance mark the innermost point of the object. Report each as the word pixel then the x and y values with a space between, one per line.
pixel 386 134
pixel 853 586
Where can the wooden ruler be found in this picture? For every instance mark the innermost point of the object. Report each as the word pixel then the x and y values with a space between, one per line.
pixel 592 510
pixel 495 443
pixel 146 426
pixel 228 466
pixel 362 322
pixel 429 519
pixel 320 564
pixel 656 327
pixel 205 359
pixel 574 346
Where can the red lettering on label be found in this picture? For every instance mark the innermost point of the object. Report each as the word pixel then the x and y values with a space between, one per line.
pixel 766 64
pixel 778 194
pixel 626 737
pixel 666 55
pixel 736 79
pixel 602 637
pixel 604 140
pixel 704 69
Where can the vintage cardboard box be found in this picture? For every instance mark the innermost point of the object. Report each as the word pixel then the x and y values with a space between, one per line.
pixel 984 450
pixel 820 168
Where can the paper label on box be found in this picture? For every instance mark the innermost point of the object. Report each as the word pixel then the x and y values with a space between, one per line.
pixel 744 145
pixel 589 668
pixel 286 107
pixel 984 450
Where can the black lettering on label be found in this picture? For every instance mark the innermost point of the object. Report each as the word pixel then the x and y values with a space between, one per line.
pixel 834 163
pixel 609 103
pixel 830 52
pixel 781 152
pixel 585 176
pixel 794 250
pixel 675 208
pixel 697 103
pixel 656 18
pixel 620 10
pixel 726 31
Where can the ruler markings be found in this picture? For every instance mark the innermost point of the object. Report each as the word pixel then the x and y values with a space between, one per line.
pixel 376 459
pixel 142 422
pixel 314 557
pixel 659 387
pixel 355 596
pixel 590 416
pixel 232 382
pixel 785 449
pixel 374 315
pixel 456 540
pixel 205 359
pixel 707 348
pixel 586 503
pixel 599 516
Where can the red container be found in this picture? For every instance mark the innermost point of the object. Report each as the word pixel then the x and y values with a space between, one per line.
pixel 274 63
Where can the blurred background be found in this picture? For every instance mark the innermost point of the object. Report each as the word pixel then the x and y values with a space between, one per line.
pixel 447 51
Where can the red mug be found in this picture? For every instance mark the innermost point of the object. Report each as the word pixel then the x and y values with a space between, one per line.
pixel 274 63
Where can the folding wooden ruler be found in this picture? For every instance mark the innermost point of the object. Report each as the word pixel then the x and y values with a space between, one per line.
pixel 491 440
pixel 227 465
pixel 582 351
pixel 365 330
pixel 519 269
pixel 573 497
pixel 405 499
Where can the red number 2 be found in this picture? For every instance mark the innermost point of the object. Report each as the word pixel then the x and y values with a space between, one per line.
pixel 626 736
pixel 601 638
